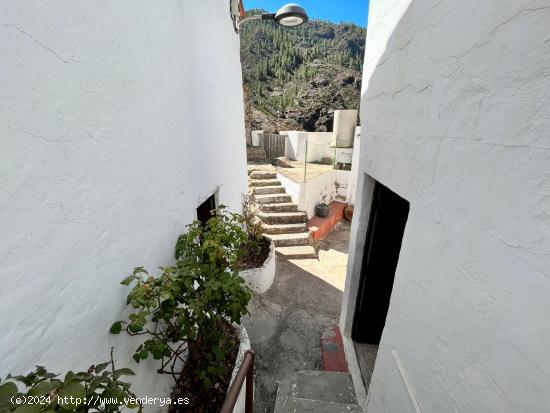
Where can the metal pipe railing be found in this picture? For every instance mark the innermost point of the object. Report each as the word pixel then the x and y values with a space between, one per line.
pixel 246 371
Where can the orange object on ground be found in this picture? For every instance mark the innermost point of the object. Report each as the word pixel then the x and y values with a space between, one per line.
pixel 321 227
pixel 332 350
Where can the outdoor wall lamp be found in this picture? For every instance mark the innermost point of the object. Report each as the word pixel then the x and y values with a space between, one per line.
pixel 290 15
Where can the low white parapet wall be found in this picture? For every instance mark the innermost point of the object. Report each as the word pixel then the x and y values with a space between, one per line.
pixel 260 279
pixel 323 188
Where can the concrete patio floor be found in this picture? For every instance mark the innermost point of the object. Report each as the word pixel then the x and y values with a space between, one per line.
pixel 285 323
pixel 295 169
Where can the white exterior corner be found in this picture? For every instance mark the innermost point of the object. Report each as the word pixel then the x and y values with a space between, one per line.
pixel 115 122
pixel 455 119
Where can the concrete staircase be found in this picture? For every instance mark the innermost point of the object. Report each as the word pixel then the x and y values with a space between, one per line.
pixel 255 153
pixel 316 391
pixel 282 221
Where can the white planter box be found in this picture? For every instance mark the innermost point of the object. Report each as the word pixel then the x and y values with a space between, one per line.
pixel 243 348
pixel 260 279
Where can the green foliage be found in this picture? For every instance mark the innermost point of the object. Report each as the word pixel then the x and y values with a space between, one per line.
pixel 182 308
pixel 97 390
pixel 219 243
pixel 286 70
pixel 253 226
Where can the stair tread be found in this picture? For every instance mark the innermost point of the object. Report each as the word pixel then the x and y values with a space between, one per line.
pixel 263 175
pixel 280 204
pixel 284 228
pixel 302 251
pixel 264 182
pixel 278 237
pixel 269 190
pixel 283 214
pixel 324 386
pixel 299 225
pixel 297 405
pixel 270 187
pixel 267 196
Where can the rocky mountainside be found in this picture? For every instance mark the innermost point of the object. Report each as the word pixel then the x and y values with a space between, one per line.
pixel 295 77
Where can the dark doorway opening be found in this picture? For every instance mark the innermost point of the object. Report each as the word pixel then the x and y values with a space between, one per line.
pixel 205 211
pixel 388 216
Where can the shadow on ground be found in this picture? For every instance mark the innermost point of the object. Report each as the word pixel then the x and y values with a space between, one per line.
pixel 285 326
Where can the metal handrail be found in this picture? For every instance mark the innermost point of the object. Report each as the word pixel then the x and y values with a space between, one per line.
pixel 246 371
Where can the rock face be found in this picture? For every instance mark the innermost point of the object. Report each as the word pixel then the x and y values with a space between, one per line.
pixel 296 78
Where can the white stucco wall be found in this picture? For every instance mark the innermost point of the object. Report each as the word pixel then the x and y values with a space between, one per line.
pixel 456 119
pixel 322 188
pixel 256 137
pixel 292 188
pixel 318 149
pixel 116 120
pixel 352 184
pixel 295 145
pixel 317 146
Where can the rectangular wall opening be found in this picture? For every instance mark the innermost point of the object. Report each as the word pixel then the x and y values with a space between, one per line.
pixel 387 220
pixel 205 210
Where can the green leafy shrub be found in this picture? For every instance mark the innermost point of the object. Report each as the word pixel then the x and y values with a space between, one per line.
pixel 97 390
pixel 257 245
pixel 182 309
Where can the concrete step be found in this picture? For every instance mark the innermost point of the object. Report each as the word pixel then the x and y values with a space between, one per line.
pixel 321 386
pixel 266 190
pixel 263 182
pixel 290 240
pixel 282 207
pixel 272 199
pixel 295 405
pixel 255 153
pixel 296 253
pixel 263 175
pixel 278 218
pixel 285 228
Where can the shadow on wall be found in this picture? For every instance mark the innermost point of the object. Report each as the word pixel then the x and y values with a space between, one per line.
pixel 448 94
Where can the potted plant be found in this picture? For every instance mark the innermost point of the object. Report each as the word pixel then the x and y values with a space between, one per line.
pixel 97 390
pixel 257 266
pixel 186 315
pixel 322 210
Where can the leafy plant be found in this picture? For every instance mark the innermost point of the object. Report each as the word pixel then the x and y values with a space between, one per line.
pixel 252 225
pixel 181 310
pixel 96 390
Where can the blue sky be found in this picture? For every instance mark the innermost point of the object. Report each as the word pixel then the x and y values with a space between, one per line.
pixel 355 11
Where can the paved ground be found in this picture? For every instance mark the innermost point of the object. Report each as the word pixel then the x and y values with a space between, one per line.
pixel 295 171
pixel 333 258
pixel 286 322
pixel 366 356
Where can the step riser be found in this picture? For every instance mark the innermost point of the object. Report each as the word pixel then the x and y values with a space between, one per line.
pixel 291 242
pixel 286 229
pixel 269 190
pixel 261 182
pixel 278 199
pixel 279 208
pixel 283 219
pixel 263 175
pixel 316 391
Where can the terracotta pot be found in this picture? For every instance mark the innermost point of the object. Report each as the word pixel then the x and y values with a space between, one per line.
pixel 348 212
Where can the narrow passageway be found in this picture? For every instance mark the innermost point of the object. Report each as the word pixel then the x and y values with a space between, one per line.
pixel 285 324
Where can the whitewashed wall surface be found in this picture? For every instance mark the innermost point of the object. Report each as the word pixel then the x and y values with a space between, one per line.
pixel 116 120
pixel 456 119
